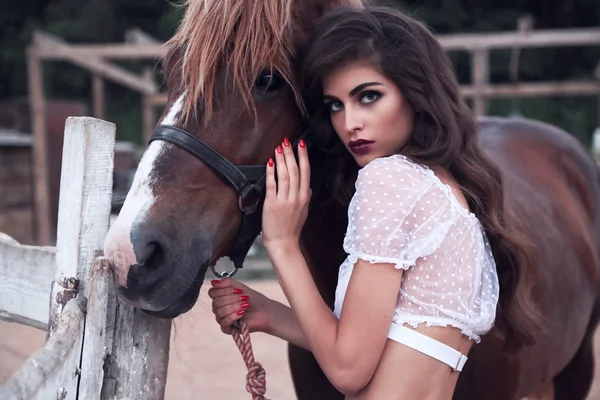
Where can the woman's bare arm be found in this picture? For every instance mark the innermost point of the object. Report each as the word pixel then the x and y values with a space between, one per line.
pixel 282 323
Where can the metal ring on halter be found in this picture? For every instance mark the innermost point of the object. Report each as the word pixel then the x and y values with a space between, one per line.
pixel 242 196
pixel 224 274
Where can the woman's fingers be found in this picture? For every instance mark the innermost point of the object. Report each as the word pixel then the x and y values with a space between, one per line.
pixel 304 189
pixel 282 174
pixel 271 185
pixel 228 302
pixel 229 309
pixel 227 322
pixel 223 301
pixel 292 169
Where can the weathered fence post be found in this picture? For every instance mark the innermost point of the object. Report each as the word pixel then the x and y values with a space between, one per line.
pixel 83 219
pixel 125 351
pixel 479 74
pixel 84 207
pixel 109 350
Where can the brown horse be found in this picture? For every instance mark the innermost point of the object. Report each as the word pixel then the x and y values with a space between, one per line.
pixel 231 73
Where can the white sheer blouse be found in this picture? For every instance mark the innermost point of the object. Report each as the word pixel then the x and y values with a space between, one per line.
pixel 403 214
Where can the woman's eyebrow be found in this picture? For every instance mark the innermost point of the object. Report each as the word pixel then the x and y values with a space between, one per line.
pixel 353 91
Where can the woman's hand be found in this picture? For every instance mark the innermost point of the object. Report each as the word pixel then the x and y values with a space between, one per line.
pixel 286 201
pixel 232 300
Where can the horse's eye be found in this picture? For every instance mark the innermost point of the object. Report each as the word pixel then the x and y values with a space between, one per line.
pixel 268 81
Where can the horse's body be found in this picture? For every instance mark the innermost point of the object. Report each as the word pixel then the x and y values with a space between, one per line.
pixel 180 217
pixel 553 186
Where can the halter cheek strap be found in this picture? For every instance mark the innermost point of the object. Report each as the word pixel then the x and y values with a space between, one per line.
pixel 248 181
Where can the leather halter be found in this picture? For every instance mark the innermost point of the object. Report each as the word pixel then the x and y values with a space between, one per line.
pixel 246 180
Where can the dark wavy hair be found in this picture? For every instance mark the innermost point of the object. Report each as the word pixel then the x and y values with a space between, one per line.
pixel 445 134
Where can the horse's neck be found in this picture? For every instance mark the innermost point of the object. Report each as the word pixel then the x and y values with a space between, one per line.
pixel 321 242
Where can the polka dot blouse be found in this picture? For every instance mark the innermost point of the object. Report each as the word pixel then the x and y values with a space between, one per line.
pixel 402 214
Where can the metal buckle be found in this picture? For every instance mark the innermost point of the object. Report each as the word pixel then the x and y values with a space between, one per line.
pixel 245 192
pixel 223 274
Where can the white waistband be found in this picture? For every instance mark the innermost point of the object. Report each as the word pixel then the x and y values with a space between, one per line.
pixel 426 345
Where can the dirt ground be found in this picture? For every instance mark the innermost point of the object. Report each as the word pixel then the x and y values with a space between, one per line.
pixel 205 363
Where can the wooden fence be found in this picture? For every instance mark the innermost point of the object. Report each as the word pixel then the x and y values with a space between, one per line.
pixel 97 346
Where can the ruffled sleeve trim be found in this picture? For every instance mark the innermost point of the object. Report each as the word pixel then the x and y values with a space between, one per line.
pixel 398 264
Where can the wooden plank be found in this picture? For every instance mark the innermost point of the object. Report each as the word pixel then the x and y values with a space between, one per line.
pixel 536 38
pixel 583 88
pixel 479 77
pixel 84 205
pixel 138 36
pixel 40 149
pixel 137 362
pixel 53 371
pixel 158 99
pixel 112 51
pixel 27 273
pixel 98 94
pixel 148 118
pixel 125 351
pixel 47 42
pixel 99 331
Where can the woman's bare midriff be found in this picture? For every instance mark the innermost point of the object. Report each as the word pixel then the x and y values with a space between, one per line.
pixel 407 374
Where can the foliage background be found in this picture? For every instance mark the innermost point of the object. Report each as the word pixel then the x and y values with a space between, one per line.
pixel 101 21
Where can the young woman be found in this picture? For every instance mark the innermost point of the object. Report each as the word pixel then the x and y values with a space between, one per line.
pixel 419 286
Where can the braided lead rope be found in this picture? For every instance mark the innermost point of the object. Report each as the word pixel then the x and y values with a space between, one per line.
pixel 256 382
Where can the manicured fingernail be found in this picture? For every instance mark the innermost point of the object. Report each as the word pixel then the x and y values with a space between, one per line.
pixel 271 162
pixel 237 291
pixel 241 312
pixel 302 144
pixel 280 149
pixel 286 142
pixel 244 298
pixel 245 305
pixel 215 282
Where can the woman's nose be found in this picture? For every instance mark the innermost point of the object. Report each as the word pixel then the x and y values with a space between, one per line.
pixel 353 122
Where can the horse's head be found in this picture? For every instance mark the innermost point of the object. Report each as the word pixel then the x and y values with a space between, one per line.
pixel 231 85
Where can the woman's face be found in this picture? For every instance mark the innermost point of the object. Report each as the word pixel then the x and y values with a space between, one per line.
pixel 367 110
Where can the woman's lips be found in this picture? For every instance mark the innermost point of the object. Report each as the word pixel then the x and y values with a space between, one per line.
pixel 361 146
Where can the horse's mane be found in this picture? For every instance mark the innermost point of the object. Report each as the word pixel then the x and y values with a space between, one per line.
pixel 245 36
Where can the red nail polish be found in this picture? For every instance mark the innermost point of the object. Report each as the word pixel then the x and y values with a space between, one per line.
pixel 245 305
pixel 244 298
pixel 280 149
pixel 237 291
pixel 286 142
pixel 302 144
pixel 241 312
pixel 215 282
pixel 271 162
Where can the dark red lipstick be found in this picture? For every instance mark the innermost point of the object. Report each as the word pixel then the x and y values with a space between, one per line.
pixel 360 146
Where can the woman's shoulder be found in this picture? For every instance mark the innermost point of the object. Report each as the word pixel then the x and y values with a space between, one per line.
pixel 395 171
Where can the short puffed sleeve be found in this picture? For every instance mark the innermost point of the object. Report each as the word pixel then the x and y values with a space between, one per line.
pixel 398 213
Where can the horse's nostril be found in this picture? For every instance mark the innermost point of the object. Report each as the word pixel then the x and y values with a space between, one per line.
pixel 145 252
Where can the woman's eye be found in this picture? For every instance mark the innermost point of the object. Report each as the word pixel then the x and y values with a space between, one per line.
pixel 369 97
pixel 335 106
